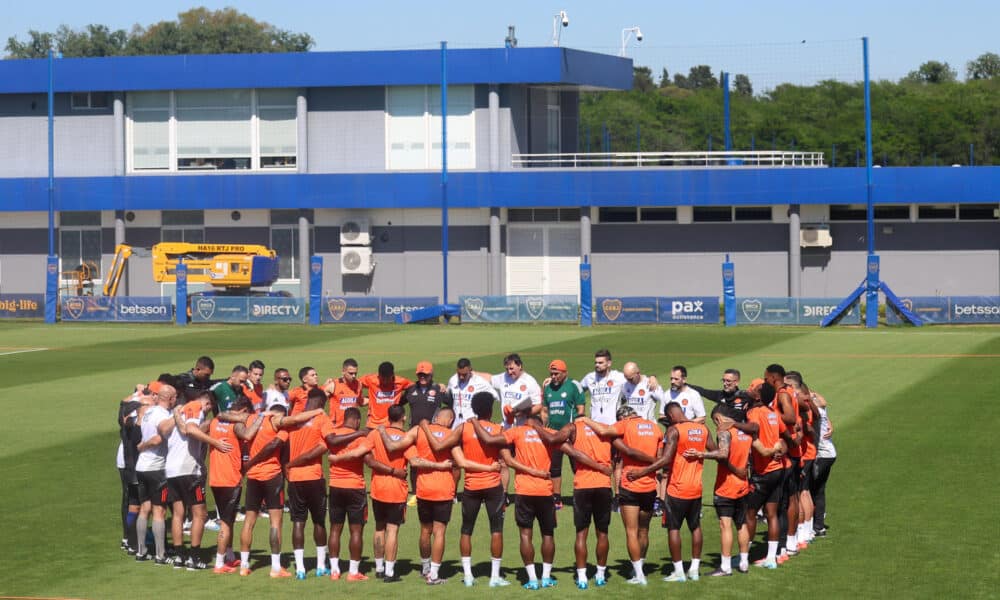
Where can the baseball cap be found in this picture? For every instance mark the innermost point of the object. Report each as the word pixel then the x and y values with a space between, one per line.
pixel 154 387
pixel 425 367
pixel 558 365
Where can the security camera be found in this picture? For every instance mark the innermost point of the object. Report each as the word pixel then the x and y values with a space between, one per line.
pixel 564 17
pixel 638 35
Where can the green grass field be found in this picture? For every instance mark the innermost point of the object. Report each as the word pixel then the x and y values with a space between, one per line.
pixel 911 501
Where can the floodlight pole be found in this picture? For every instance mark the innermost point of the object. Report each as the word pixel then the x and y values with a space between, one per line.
pixel 444 173
pixel 51 261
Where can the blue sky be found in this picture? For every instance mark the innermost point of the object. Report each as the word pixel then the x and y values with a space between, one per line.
pixel 763 38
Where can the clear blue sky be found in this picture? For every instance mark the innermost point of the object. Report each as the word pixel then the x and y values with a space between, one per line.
pixel 762 38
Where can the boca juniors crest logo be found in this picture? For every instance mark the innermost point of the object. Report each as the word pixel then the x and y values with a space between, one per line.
pixel 535 306
pixel 752 309
pixel 74 307
pixel 612 309
pixel 474 307
pixel 337 307
pixel 205 308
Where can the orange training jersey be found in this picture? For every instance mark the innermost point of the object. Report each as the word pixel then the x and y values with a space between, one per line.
pixel 478 453
pixel 256 395
pixel 644 436
pixel 599 450
pixel 349 475
pixel 386 488
pixel 271 466
pixel 297 398
pixel 303 439
pixel 224 468
pixel 380 399
pixel 685 474
pixel 727 484
pixel 530 451
pixel 344 396
pixel 771 426
pixel 808 443
pixel 432 484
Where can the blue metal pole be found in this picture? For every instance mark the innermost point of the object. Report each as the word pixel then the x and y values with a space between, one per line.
pixel 725 111
pixel 868 154
pixel 444 172
pixel 52 261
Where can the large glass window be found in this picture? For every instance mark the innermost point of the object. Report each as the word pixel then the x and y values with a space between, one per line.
pixel 277 129
pixel 150 115
pixel 79 239
pixel 285 241
pixel 183 226
pixel 413 127
pixel 213 129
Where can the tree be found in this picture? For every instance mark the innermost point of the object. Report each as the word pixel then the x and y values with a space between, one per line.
pixel 742 85
pixel 681 81
pixel 986 66
pixel 701 78
pixel 196 31
pixel 664 78
pixel 932 72
pixel 642 79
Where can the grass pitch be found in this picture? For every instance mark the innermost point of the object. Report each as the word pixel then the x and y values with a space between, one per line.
pixel 911 500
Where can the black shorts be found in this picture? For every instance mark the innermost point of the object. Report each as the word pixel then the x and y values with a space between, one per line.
pixel 271 493
pixel 735 509
pixel 555 470
pixel 680 510
pixel 227 502
pixel 805 483
pixel 130 490
pixel 494 498
pixel 592 504
pixel 529 508
pixel 433 511
pixel 392 513
pixel 307 498
pixel 189 489
pixel 644 500
pixel 766 489
pixel 153 487
pixel 351 504
pixel 793 479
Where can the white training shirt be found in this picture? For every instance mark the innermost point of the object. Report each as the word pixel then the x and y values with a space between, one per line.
pixel 643 398
pixel 605 395
pixel 514 391
pixel 155 458
pixel 690 401
pixel 825 447
pixel 184 453
pixel 462 393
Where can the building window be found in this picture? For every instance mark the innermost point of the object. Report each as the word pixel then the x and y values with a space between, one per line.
pixel 89 100
pixel 285 241
pixel 212 130
pixel 657 214
pixel 542 215
pixel 936 212
pixel 848 212
pixel 892 212
pixel 79 239
pixel 413 127
pixel 553 134
pixel 618 214
pixel 183 226
pixel 713 214
pixel 978 212
pixel 752 213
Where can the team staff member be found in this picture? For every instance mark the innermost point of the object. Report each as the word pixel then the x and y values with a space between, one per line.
pixel 605 387
pixel 150 471
pixel 562 402
pixel 344 392
pixel 515 386
pixel 199 377
pixel 638 441
pixel 462 386
pixel 424 398
pixel 130 435
pixel 729 394
pixel 388 493
pixel 642 393
pixel 347 496
pixel 826 455
pixel 384 390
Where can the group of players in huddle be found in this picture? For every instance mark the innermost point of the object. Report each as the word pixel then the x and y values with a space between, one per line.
pixel 772 445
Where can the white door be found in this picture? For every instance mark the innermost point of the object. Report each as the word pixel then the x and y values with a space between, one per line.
pixel 543 259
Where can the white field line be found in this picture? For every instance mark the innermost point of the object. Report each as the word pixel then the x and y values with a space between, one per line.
pixel 23 351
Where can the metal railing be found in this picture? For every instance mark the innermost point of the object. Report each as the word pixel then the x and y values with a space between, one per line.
pixel 757 158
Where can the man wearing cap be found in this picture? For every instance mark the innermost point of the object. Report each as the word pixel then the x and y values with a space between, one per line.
pixel 462 386
pixel 563 402
pixel 424 398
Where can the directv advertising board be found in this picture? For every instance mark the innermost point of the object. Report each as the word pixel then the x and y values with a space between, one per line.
pixel 790 311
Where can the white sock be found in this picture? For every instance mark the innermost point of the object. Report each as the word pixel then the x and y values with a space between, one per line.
pixel 425 566
pixel 678 567
pixel 245 560
pixel 530 570
pixel 434 570
pixel 790 543
pixel 772 550
pixel 695 563
pixel 276 562
pixel 354 564
pixel 637 567
pixel 379 565
pixel 467 566
pixel 334 565
pixel 744 559
pixel 727 564
pixel 300 560
pixel 600 571
pixel 320 556
pixel 581 574
pixel 220 560
pixel 546 570
pixel 494 568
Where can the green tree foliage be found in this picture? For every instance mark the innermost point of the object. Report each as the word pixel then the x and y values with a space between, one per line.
pixel 196 31
pixel 742 85
pixel 642 79
pixel 986 66
pixel 932 71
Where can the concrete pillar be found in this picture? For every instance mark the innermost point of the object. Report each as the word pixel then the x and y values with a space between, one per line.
pixel 794 252
pixel 494 127
pixel 301 125
pixel 303 254
pixel 585 233
pixel 496 258
pixel 118 148
pixel 120 239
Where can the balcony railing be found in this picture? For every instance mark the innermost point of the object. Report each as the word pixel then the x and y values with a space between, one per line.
pixel 716 159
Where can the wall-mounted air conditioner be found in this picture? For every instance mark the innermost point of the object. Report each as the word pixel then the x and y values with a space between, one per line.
pixel 356 232
pixel 356 260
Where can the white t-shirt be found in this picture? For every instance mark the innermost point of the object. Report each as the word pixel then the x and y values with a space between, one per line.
pixel 514 391
pixel 273 397
pixel 155 458
pixel 643 398
pixel 462 394
pixel 184 453
pixel 605 395
pixel 825 447
pixel 688 398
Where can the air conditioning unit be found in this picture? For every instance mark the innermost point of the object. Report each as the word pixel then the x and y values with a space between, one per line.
pixel 356 232
pixel 815 236
pixel 356 260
